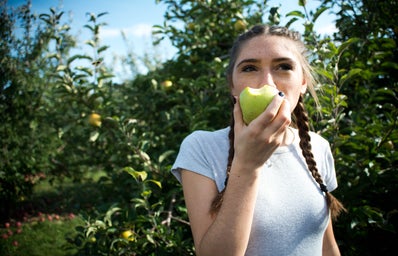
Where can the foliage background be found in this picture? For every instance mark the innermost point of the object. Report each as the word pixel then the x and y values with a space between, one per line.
pixel 47 100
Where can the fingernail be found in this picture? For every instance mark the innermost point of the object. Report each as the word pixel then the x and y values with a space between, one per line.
pixel 281 94
pixel 233 99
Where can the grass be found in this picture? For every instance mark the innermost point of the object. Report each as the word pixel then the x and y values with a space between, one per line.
pixel 46 224
pixel 42 237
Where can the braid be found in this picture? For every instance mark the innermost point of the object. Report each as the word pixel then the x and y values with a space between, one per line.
pixel 217 201
pixel 305 144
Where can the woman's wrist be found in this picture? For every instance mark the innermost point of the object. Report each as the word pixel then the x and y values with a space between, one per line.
pixel 241 169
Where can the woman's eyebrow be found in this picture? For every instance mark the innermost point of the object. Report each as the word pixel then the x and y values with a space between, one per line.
pixel 283 59
pixel 276 60
pixel 250 60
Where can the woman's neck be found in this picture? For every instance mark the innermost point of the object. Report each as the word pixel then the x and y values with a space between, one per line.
pixel 289 137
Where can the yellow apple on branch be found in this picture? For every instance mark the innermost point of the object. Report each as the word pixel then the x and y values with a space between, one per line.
pixel 95 119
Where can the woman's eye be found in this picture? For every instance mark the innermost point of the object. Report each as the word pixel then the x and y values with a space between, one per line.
pixel 249 68
pixel 285 66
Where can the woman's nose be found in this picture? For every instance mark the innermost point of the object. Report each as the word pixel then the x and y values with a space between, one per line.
pixel 267 79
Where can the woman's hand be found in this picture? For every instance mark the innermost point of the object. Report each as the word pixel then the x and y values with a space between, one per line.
pixel 255 143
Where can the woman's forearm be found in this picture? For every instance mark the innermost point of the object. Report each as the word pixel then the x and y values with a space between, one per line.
pixel 230 231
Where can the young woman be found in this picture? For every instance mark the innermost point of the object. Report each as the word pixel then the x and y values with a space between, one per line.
pixel 262 188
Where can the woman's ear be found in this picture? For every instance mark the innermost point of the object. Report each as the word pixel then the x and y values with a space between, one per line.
pixel 303 86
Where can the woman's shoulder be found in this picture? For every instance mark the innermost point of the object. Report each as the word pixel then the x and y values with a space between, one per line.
pixel 319 144
pixel 205 153
pixel 213 133
pixel 318 139
pixel 204 136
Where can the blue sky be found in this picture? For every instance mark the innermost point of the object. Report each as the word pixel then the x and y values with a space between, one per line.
pixel 135 18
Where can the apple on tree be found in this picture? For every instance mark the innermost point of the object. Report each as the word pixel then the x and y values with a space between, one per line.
pixel 128 235
pixel 253 101
pixel 239 25
pixel 95 119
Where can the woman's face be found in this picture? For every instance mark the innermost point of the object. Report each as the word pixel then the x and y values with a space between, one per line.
pixel 271 60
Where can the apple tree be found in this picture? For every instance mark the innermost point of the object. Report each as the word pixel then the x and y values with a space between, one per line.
pixel 29 142
pixel 366 145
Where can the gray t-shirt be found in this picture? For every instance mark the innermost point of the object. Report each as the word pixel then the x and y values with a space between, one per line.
pixel 290 215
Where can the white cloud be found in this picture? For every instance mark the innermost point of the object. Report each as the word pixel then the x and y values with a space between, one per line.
pixel 110 32
pixel 328 29
pixel 138 30
pixel 143 30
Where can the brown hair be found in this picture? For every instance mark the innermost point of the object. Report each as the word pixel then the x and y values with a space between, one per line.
pixel 300 115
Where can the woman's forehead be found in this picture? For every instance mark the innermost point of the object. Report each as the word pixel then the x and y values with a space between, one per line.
pixel 268 46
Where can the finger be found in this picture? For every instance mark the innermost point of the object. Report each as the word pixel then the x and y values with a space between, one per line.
pixel 284 116
pixel 271 111
pixel 275 130
pixel 282 121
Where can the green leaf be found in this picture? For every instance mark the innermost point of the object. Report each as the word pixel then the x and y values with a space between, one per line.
pixel 61 68
pixel 94 136
pixel 332 48
pixel 91 230
pixel 89 27
pixel 163 156
pixel 319 12
pixel 102 14
pixel 138 202
pixel 150 238
pixel 109 213
pixel 146 193
pixel 102 48
pixel 325 73
pixel 390 64
pixel 86 70
pixel 105 76
pixel 100 224
pixel 59 15
pixel 291 21
pixel 138 176
pixel 79 76
pixel 158 183
pixel 302 2
pixel 90 42
pixel 353 72
pixel 75 57
pixel 296 14
pixel 346 44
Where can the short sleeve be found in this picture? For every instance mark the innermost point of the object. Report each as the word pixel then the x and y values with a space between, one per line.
pixel 205 153
pixel 191 157
pixel 330 171
pixel 324 160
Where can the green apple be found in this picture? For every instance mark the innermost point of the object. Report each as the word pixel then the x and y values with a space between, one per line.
pixel 239 25
pixel 253 101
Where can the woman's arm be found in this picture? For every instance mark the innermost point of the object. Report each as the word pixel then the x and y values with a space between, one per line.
pixel 330 247
pixel 226 233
